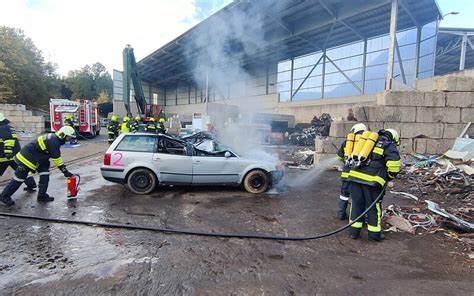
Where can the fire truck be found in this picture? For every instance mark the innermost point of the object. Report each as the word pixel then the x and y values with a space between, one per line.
pixel 85 114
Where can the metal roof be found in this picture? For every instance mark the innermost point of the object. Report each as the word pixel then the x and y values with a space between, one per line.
pixel 448 50
pixel 290 28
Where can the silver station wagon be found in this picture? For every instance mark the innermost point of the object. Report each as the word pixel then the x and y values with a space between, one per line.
pixel 142 161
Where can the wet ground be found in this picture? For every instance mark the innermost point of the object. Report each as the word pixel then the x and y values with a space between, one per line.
pixel 39 258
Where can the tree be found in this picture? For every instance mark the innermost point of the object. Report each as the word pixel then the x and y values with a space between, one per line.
pixel 91 82
pixel 24 76
pixel 104 97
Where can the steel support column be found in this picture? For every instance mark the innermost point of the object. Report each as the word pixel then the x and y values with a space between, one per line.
pixel 323 77
pixel 462 61
pixel 364 66
pixel 417 50
pixel 391 48
pixel 291 78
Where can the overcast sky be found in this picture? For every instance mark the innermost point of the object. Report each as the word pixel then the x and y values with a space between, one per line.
pixel 73 33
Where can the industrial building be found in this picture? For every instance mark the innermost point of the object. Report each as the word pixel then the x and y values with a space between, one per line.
pixel 299 58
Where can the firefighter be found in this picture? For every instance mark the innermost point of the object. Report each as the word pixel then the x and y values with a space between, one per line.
pixel 135 126
pixel 34 157
pixel 113 129
pixel 125 126
pixel 151 126
pixel 358 128
pixel 69 121
pixel 367 181
pixel 9 146
pixel 161 128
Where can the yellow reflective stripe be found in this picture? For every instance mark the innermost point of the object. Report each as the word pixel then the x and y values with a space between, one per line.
pixel 393 166
pixel 378 151
pixel 377 228
pixel 14 136
pixel 4 159
pixel 344 175
pixel 1 140
pixel 340 158
pixel 366 177
pixel 41 143
pixel 58 161
pixel 9 142
pixel 357 224
pixel 26 162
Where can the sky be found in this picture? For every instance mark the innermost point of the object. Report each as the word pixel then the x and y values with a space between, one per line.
pixel 73 33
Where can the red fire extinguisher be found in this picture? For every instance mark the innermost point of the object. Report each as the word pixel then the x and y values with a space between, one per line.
pixel 73 186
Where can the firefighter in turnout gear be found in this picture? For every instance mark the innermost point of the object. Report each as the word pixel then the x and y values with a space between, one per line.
pixel 34 157
pixel 9 147
pixel 151 126
pixel 135 126
pixel 69 121
pixel 113 129
pixel 377 163
pixel 162 128
pixel 125 126
pixel 343 154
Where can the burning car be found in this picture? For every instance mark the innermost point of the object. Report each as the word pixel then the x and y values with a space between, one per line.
pixel 142 161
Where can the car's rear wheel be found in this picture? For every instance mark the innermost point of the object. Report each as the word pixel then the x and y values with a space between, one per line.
pixel 256 181
pixel 142 181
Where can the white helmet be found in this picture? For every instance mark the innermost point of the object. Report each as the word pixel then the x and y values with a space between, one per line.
pixel 395 136
pixel 67 131
pixel 358 127
pixel 2 117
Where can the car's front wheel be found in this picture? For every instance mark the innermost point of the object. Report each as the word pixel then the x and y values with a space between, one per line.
pixel 142 181
pixel 256 181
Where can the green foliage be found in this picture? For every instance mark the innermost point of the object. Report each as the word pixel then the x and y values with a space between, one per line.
pixel 104 97
pixel 24 76
pixel 89 82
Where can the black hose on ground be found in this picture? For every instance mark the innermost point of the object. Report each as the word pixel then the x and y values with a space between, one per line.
pixel 191 232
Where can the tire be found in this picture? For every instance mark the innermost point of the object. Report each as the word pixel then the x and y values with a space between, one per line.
pixel 142 181
pixel 256 181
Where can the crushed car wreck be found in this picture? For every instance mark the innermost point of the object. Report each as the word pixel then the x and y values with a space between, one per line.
pixel 143 161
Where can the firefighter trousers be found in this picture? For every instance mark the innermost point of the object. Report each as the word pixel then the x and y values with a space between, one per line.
pixel 362 197
pixel 29 181
pixel 111 137
pixel 21 174
pixel 343 200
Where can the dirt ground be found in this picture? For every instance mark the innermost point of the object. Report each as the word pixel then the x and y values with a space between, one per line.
pixel 39 258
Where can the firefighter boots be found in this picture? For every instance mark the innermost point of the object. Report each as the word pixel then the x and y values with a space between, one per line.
pixel 44 197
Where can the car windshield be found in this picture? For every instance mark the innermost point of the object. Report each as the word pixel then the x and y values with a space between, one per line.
pixel 212 146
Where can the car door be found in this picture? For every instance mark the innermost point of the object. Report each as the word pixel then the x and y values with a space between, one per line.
pixel 215 169
pixel 172 163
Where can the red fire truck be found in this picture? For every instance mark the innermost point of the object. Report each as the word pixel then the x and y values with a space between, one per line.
pixel 84 112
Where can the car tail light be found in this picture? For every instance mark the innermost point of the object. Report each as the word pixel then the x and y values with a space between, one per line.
pixel 107 157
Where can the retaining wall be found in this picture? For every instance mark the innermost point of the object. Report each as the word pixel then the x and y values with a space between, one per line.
pixel 22 119
pixel 428 121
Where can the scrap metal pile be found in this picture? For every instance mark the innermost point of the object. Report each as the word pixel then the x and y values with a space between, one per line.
pixel 439 194
pixel 320 126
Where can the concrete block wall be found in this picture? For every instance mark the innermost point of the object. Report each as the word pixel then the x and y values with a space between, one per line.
pixel 22 119
pixel 428 121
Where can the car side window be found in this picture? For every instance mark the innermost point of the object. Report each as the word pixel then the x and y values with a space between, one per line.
pixel 167 146
pixel 137 143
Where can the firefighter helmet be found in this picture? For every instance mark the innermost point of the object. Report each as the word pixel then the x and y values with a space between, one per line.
pixel 358 127
pixel 394 134
pixel 126 119
pixel 68 116
pixel 2 117
pixel 138 118
pixel 113 118
pixel 67 131
pixel 152 119
pixel 162 120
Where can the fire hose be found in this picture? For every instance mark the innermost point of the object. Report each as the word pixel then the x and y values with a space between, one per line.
pixel 193 232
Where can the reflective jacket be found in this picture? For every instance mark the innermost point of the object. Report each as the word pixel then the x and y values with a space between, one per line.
pixel 41 150
pixel 113 127
pixel 125 127
pixel 135 126
pixel 151 127
pixel 340 157
pixel 8 141
pixel 161 129
pixel 382 165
